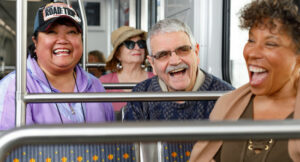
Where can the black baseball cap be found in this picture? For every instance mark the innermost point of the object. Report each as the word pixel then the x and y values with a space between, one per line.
pixel 51 12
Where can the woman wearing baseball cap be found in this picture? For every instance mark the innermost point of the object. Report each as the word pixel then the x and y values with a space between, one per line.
pixel 52 67
pixel 127 59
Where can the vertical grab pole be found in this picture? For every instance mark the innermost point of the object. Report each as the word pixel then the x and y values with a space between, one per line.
pixel 138 13
pixel 162 10
pixel 20 117
pixel 132 13
pixel 68 2
pixel 144 18
pixel 84 33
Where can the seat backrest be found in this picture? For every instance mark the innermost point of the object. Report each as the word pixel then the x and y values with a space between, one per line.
pixel 75 152
pixel 165 151
pixel 176 151
pixel 118 115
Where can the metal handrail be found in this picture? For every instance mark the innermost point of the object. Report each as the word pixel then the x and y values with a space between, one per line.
pixel 9 68
pixel 121 97
pixel 84 33
pixel 147 132
pixel 119 85
pixel 95 64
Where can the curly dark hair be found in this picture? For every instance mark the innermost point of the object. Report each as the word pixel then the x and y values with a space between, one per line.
pixel 284 11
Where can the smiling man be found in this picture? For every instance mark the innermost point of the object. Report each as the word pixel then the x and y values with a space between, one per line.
pixel 174 57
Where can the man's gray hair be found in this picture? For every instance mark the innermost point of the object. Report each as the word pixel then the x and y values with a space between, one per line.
pixel 168 26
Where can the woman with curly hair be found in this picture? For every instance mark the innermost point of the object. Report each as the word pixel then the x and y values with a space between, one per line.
pixel 272 55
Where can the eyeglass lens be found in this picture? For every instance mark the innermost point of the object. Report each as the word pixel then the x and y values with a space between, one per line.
pixel 130 44
pixel 180 51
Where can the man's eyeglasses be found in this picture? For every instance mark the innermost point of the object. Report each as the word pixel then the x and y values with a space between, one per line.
pixel 130 44
pixel 180 51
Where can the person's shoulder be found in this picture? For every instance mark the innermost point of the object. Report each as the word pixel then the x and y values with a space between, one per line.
pixel 86 75
pixel 146 82
pixel 147 85
pixel 8 82
pixel 108 78
pixel 9 77
pixel 245 89
pixel 214 83
pixel 236 94
pixel 89 82
pixel 236 99
pixel 92 77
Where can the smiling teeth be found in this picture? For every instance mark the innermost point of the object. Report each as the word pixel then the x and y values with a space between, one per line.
pixel 61 50
pixel 256 69
pixel 174 71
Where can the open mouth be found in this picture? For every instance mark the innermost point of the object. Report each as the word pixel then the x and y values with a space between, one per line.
pixel 61 52
pixel 257 75
pixel 178 72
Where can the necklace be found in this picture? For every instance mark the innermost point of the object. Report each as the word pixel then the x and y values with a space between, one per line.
pixel 71 108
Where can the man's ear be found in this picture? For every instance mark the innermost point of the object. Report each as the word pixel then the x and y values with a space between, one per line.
pixel 197 49
pixel 150 60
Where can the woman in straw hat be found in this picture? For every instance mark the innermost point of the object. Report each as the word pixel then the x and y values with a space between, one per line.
pixel 127 59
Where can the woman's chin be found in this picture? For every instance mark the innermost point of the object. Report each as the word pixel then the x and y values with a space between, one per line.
pixel 259 90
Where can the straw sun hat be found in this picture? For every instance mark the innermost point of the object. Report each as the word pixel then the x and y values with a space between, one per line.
pixel 122 34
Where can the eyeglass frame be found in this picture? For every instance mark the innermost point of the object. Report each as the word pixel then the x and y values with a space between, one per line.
pixel 170 52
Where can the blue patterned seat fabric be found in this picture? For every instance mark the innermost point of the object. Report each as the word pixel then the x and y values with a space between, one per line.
pixel 179 152
pixel 74 153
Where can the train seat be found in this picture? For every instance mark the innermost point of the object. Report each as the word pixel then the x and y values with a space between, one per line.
pixel 176 151
pixel 74 153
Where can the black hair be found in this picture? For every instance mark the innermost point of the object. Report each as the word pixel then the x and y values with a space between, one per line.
pixel 286 11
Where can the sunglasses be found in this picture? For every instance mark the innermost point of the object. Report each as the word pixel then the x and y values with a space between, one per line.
pixel 180 51
pixel 131 44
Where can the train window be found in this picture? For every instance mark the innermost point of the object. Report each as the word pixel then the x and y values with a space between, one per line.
pixel 238 74
pixel 94 10
pixel 122 17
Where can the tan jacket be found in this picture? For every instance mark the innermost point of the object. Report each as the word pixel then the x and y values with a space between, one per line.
pixel 230 107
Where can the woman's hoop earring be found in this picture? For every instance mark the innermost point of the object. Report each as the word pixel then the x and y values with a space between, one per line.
pixel 119 66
